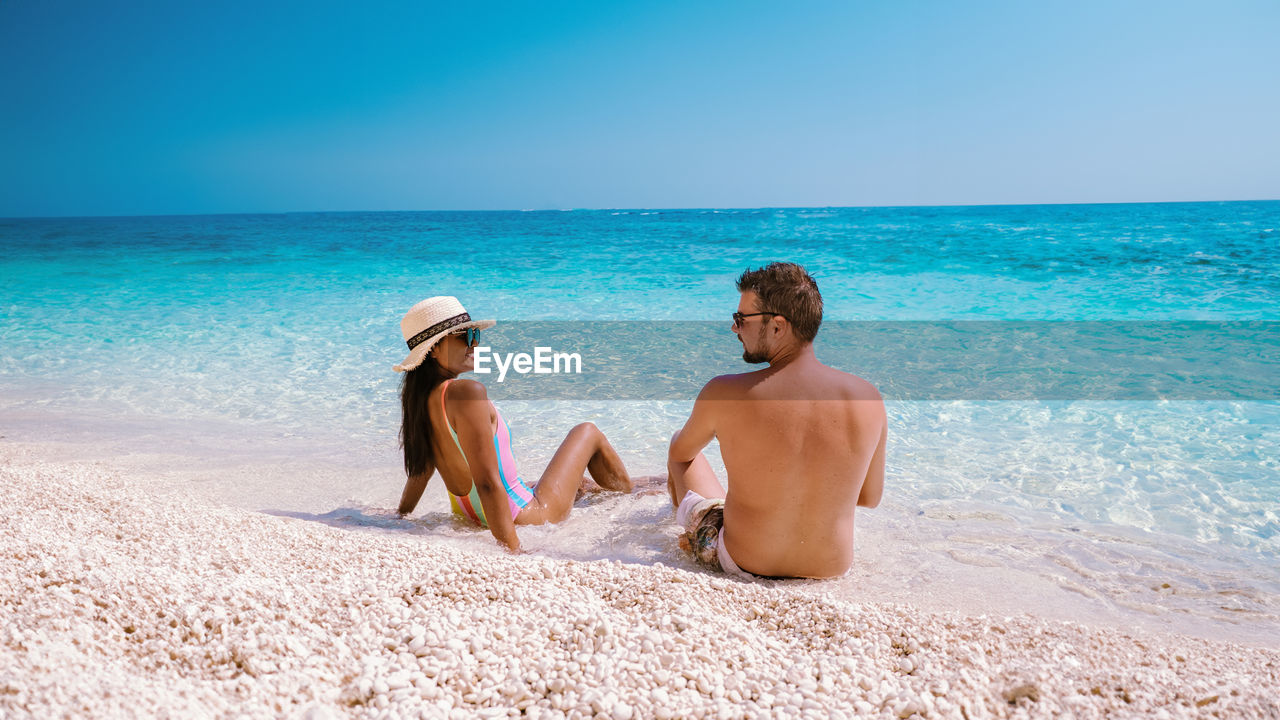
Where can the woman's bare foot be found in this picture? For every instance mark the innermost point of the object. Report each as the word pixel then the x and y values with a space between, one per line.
pixel 649 485
pixel 643 485
pixel 587 487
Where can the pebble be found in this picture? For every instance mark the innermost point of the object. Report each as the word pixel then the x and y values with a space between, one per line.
pixel 907 706
pixel 348 623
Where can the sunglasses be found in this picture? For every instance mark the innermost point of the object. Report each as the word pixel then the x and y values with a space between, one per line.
pixel 471 335
pixel 739 317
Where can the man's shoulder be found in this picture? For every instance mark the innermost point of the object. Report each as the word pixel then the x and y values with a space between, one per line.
pixel 855 387
pixel 817 381
pixel 729 387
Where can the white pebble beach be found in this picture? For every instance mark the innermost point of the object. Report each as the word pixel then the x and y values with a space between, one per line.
pixel 123 598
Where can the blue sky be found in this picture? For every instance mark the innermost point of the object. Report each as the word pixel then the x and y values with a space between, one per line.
pixel 122 108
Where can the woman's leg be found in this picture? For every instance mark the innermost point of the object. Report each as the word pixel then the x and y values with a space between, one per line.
pixel 585 448
pixel 640 485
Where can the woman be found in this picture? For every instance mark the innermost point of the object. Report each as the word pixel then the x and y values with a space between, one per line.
pixel 449 425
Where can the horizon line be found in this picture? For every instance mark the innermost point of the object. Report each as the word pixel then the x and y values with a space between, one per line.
pixel 636 209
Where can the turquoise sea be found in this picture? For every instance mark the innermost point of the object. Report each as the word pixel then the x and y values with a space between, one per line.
pixel 248 358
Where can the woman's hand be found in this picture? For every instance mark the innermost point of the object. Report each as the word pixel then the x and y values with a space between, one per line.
pixel 413 488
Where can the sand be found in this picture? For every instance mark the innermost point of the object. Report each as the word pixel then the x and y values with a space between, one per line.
pixel 122 598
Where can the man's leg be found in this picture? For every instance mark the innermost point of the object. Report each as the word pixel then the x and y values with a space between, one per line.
pixel 696 476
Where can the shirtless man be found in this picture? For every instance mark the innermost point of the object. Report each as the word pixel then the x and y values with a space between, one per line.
pixel 803 444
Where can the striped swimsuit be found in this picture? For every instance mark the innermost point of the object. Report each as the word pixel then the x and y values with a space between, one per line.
pixel 518 494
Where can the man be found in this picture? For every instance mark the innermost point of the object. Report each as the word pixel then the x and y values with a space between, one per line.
pixel 803 444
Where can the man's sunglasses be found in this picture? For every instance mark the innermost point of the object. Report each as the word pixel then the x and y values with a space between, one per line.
pixel 471 335
pixel 739 317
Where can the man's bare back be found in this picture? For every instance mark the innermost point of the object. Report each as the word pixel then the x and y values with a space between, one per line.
pixel 803 445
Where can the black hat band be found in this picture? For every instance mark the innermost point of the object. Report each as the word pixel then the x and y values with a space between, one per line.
pixel 436 329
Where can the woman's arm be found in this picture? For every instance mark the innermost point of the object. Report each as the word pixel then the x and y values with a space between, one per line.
pixel 468 405
pixel 413 488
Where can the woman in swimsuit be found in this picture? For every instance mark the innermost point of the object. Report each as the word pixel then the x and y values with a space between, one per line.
pixel 450 425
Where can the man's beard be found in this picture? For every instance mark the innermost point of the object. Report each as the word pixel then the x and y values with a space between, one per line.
pixel 757 357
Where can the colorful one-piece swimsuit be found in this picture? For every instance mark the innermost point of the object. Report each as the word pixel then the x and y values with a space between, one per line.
pixel 518 494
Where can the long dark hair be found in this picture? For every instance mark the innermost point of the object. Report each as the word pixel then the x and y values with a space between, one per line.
pixel 415 420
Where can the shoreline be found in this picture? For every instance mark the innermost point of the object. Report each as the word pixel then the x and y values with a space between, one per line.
pixel 127 598
pixel 936 556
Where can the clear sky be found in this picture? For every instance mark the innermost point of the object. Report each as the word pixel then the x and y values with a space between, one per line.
pixel 159 107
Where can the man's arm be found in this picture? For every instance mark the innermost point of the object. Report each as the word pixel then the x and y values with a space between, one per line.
pixel 698 430
pixel 873 486
pixel 469 405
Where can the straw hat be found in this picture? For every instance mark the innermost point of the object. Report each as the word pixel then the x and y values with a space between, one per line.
pixel 430 320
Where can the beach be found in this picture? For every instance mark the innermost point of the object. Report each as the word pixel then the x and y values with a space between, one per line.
pixel 125 597
pixel 198 425
pixel 1040 272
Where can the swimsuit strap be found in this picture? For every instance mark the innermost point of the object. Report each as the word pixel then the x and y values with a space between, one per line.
pixel 518 494
pixel 444 387
pixel 469 504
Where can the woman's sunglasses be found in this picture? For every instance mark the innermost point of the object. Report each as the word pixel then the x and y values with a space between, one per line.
pixel 471 335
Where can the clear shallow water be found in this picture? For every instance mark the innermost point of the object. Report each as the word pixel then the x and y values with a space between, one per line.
pixel 263 345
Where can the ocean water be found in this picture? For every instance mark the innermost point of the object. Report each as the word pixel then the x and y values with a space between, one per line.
pixel 1083 409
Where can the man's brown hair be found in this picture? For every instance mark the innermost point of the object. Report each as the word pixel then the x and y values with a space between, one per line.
pixel 785 288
